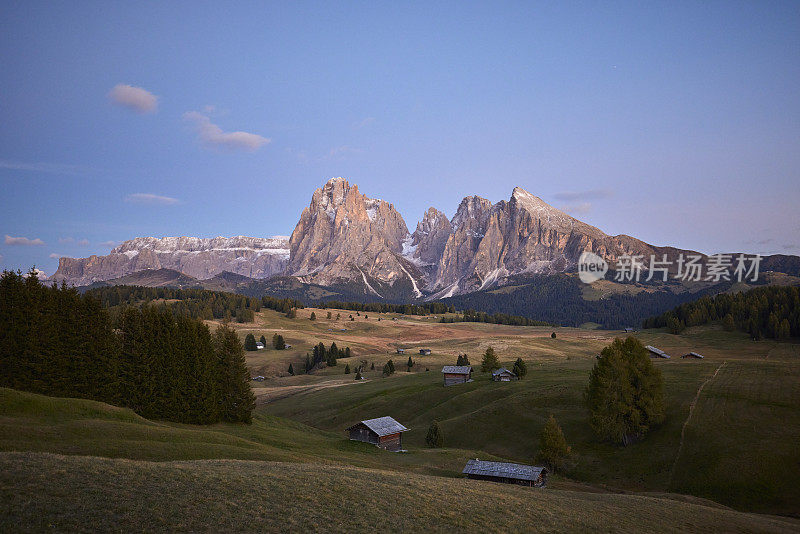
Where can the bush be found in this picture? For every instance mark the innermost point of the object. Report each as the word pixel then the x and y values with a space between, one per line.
pixel 625 395
pixel 553 448
pixel 553 335
pixel 434 438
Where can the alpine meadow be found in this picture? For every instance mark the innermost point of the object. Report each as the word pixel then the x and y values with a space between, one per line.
pixel 340 267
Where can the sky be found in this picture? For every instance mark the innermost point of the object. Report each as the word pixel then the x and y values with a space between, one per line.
pixel 675 122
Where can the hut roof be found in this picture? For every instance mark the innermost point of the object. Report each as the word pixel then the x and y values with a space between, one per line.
pixel 383 426
pixel 503 470
pixel 658 352
pixel 457 369
pixel 502 371
pixel 693 355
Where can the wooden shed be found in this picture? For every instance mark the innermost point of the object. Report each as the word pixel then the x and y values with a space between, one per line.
pixel 383 432
pixel 656 353
pixel 401 351
pixel 503 375
pixel 425 352
pixel 525 475
pixel 693 355
pixel 456 374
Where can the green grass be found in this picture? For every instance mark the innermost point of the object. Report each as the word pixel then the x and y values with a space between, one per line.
pixel 85 494
pixel 749 414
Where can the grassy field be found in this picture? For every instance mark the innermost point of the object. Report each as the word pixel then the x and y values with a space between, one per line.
pixel 293 468
pixel 723 456
pixel 88 494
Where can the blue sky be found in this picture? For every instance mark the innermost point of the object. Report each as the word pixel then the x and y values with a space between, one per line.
pixel 675 122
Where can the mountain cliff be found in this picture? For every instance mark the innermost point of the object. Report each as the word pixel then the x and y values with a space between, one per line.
pixel 255 257
pixel 348 244
pixel 344 237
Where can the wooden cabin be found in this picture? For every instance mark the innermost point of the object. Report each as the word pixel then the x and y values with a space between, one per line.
pixel 525 475
pixel 425 352
pixel 456 374
pixel 656 353
pixel 503 375
pixel 693 355
pixel 383 432
pixel 401 351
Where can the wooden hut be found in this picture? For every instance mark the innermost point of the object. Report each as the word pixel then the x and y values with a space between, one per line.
pixel 456 374
pixel 525 475
pixel 656 353
pixel 425 352
pixel 401 351
pixel 383 432
pixel 693 355
pixel 503 375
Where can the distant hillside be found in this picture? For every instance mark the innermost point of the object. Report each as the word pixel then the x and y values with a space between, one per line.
pixel 560 299
pixel 772 312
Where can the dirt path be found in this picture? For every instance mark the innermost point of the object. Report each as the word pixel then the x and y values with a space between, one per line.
pixel 688 418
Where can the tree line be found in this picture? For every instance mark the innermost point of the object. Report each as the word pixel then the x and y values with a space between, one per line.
pixel 763 312
pixel 162 365
pixel 558 300
pixel 426 308
pixel 196 303
pixel 472 316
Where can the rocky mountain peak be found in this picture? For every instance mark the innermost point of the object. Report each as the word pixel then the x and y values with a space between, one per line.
pixel 344 236
pixel 429 239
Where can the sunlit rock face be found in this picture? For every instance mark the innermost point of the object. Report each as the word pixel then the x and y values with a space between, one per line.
pixel 255 257
pixel 344 236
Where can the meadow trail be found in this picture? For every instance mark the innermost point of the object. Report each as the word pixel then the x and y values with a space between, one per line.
pixel 688 418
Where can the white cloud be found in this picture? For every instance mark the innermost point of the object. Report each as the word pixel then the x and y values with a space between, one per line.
pixel 341 151
pixel 590 194
pixel 211 134
pixel 54 168
pixel 135 98
pixel 365 122
pixel 66 240
pixel 109 244
pixel 23 241
pixel 55 256
pixel 151 199
pixel 581 208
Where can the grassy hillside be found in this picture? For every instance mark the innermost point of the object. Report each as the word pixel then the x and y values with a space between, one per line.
pixel 722 457
pixel 82 494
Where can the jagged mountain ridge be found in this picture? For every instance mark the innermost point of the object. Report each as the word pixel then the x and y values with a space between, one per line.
pixel 356 245
pixel 254 257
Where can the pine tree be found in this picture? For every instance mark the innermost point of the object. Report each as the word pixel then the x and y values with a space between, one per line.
pixel 490 361
pixel 291 369
pixel 520 368
pixel 358 375
pixel 625 395
pixel 237 399
pixel 263 341
pixel 553 335
pixel 313 316
pixel 328 315
pixel 372 367
pixel 434 438
pixel 279 342
pixel 250 342
pixel 347 369
pixel 553 448
pixel 410 364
